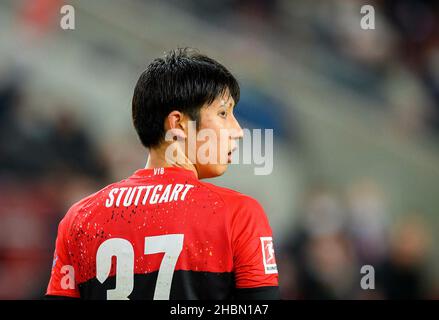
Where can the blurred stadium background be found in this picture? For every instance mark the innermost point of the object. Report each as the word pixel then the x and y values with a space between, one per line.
pixel 355 115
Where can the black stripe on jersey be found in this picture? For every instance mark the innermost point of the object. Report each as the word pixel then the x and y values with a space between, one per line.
pixel 258 293
pixel 186 285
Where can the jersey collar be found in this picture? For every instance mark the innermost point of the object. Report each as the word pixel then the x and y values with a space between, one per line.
pixel 143 173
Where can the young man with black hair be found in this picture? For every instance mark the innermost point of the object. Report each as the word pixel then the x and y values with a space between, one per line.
pixel 172 236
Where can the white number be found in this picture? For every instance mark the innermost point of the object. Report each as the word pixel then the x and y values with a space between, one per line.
pixel 124 252
pixel 170 244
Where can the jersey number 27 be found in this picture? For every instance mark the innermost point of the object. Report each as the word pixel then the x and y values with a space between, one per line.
pixel 170 244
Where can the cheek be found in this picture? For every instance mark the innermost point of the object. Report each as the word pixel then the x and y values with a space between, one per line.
pixel 209 121
pixel 216 131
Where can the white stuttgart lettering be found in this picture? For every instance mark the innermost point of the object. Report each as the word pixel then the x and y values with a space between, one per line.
pixel 151 194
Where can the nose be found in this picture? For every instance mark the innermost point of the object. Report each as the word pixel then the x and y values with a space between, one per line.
pixel 236 132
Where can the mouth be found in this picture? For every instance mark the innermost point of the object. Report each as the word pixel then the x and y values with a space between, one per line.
pixel 229 155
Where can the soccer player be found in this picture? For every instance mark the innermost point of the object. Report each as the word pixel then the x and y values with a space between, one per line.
pixel 162 233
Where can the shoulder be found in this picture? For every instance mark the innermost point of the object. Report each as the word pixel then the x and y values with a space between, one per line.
pixel 234 199
pixel 244 214
pixel 83 206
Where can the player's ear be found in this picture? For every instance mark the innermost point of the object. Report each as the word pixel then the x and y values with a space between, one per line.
pixel 175 123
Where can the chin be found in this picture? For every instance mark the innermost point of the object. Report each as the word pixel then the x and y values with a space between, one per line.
pixel 211 170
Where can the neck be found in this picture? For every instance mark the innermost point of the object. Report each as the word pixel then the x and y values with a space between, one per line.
pixel 157 159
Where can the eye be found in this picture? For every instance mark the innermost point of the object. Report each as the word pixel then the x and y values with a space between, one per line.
pixel 223 114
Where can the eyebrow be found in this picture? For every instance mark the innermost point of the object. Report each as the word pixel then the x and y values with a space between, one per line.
pixel 228 105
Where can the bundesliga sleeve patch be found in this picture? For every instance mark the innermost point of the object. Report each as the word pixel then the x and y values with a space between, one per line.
pixel 268 255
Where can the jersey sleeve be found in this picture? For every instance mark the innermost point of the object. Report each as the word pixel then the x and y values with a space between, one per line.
pixel 252 246
pixel 62 279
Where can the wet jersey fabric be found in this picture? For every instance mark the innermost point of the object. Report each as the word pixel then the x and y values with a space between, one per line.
pixel 163 234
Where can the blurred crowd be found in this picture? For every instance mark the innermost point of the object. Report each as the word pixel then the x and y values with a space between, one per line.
pixel 45 166
pixel 338 233
pixel 397 66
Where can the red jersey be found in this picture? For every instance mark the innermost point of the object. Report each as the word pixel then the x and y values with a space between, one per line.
pixel 163 234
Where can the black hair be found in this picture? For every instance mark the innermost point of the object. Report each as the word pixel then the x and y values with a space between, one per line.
pixel 182 80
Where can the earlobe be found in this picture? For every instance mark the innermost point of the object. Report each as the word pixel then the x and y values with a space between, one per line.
pixel 175 126
pixel 177 134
